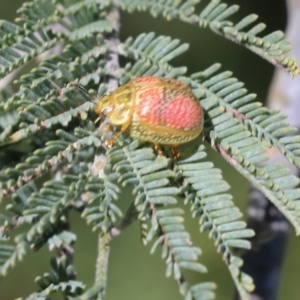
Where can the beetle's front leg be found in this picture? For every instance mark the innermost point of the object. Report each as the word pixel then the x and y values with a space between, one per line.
pixel 174 151
pixel 158 149
pixel 109 143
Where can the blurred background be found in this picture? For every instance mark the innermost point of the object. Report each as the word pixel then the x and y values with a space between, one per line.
pixel 134 273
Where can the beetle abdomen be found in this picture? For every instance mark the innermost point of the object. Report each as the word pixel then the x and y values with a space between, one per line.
pixel 158 110
pixel 167 112
pixel 161 135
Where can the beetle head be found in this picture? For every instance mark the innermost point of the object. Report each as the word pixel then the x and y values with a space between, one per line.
pixel 105 105
pixel 118 106
pixel 114 109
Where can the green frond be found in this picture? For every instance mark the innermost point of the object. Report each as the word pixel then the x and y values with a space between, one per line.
pixel 160 49
pixel 70 287
pixel 204 189
pixel 10 255
pixel 19 46
pixel 142 67
pixel 269 126
pixel 47 208
pixel 57 241
pixel 230 129
pixel 58 71
pixel 169 9
pixel 46 159
pixel 229 134
pixel 8 118
pixel 151 175
pixel 23 43
pixel 48 126
pixel 152 55
pixel 103 192
pixel 51 12
pixel 58 281
pixel 68 70
pixel 41 105
pixel 271 47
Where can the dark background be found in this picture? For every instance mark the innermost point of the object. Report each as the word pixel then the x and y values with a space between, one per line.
pixel 133 273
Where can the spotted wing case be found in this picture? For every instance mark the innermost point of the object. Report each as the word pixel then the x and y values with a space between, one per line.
pixel 166 111
pixel 155 109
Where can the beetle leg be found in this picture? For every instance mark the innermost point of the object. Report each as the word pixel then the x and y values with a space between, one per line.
pixel 158 149
pixel 174 151
pixel 97 120
pixel 110 142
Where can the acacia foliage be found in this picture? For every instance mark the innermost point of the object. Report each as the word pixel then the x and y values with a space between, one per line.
pixel 48 125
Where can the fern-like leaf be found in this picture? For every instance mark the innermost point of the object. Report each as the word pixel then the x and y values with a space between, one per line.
pixel 271 47
pixel 204 190
pixel 149 174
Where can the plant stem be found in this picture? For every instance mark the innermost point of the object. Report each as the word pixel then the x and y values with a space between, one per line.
pixel 112 64
pixel 102 263
pixel 130 218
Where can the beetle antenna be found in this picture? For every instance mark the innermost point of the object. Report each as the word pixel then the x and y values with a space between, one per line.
pixel 83 89
pixel 80 87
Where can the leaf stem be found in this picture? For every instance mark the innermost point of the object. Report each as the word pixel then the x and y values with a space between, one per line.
pixel 112 64
pixel 102 263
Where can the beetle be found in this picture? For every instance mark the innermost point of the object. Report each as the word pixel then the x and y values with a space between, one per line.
pixel 159 110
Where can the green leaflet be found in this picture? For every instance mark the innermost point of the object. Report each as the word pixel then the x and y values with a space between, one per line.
pixel 53 122
pixel 10 255
pixel 216 210
pixel 215 16
pixel 152 188
pixel 44 159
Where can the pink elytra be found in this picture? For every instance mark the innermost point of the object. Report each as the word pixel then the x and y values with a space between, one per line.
pixel 155 109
